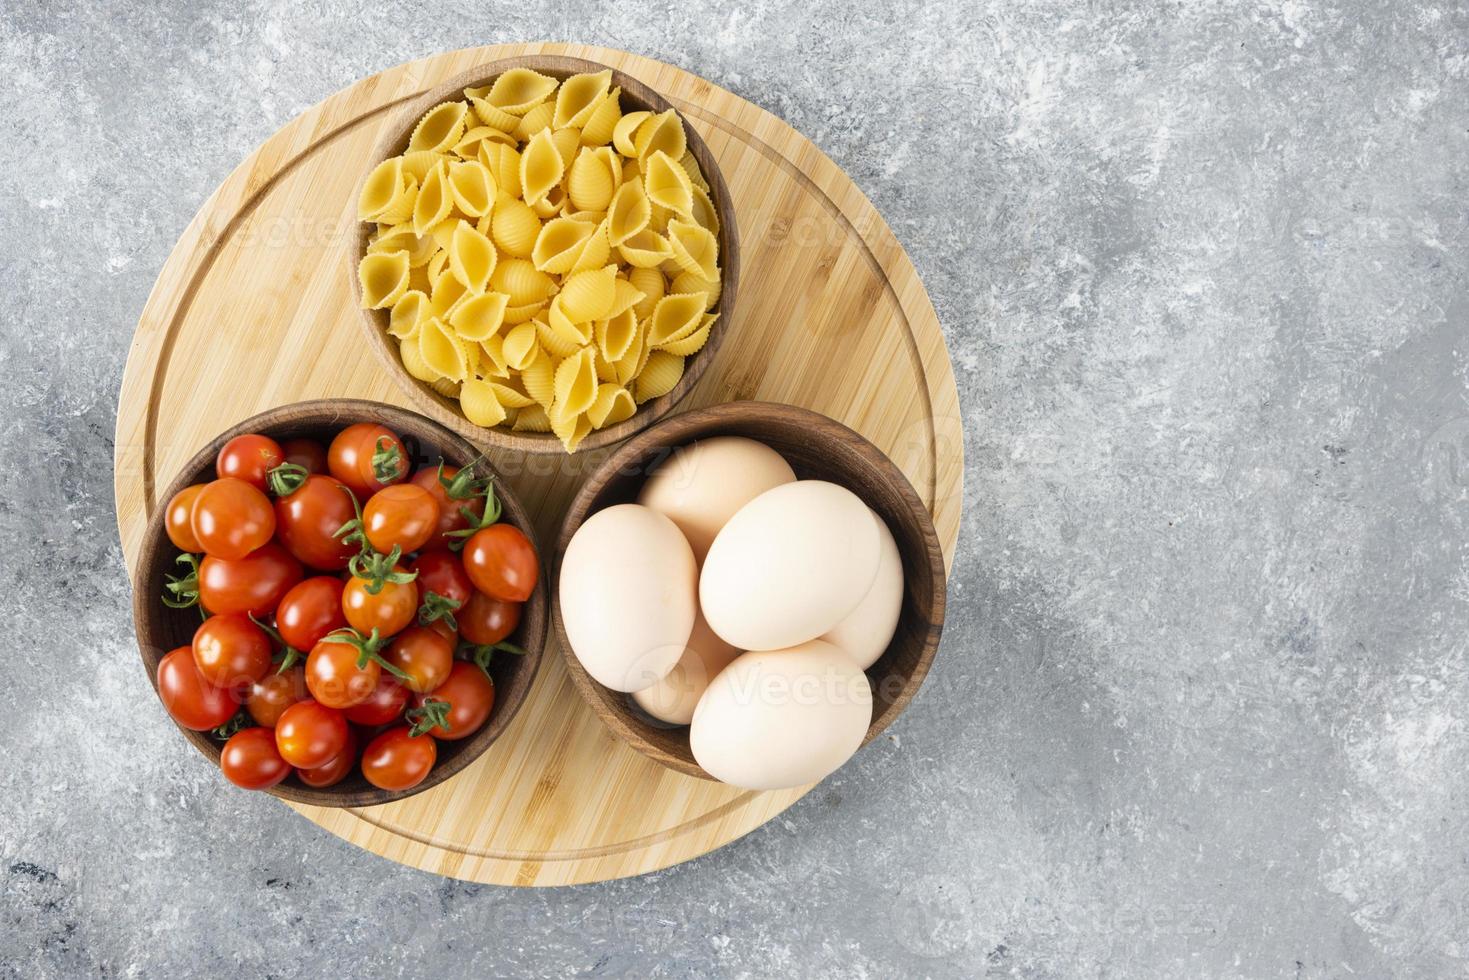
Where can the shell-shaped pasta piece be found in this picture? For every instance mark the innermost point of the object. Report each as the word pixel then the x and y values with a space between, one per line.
pixel 576 383
pixel 434 199
pixel 691 167
pixel 554 343
pixel 511 397
pixel 534 121
pixel 559 244
pixel 613 404
pixel 446 293
pixel 675 317
pixel 695 341
pixel 563 325
pixel 402 238
pixel 646 250
pixel 515 226
pixel 478 402
pixel 695 249
pixel 570 429
pixel 437 266
pixel 658 376
pixel 687 282
pixel 591 183
pixel 523 312
pixel 625 297
pixel 539 378
pixel 472 187
pixel 418 163
pixel 589 295
pixel 662 133
pixel 478 317
pixel 521 346
pixel 627 366
pixel 553 204
pixel 440 128
pixel 381 189
pixel 413 361
pixel 704 212
pixel 666 183
pixel 519 90
pixel 443 232
pixel 541 167
pixel 532 419
pixel 504 164
pixel 651 284
pixel 410 310
pixel 594 251
pixel 384 279
pixel 568 144
pixel 441 350
pixel 628 212
pixel 625 129
pixel 522 281
pixel 579 96
pixel 445 387
pixel 493 116
pixel 468 146
pixel 615 335
pixel 472 257
pixel 600 124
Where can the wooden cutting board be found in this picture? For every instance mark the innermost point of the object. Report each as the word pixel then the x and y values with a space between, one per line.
pixel 254 309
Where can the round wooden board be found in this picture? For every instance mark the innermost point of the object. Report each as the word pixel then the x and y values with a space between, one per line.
pixel 254 309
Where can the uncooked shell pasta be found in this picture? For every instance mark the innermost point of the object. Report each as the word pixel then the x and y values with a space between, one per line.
pixel 543 257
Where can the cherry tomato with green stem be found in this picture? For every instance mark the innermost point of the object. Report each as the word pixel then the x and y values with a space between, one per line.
pixel 311 610
pixel 309 519
pixel 249 458
pixel 403 516
pixel 231 652
pixel 461 497
pixel 443 587
pixel 343 668
pixel 398 760
pixel 380 600
pixel 367 457
pixel 338 768
pixel 384 705
pixel 178 519
pixel 458 707
pixel 423 655
pixel 188 698
pixel 309 734
pixel 274 693
pixel 255 584
pixel 502 563
pixel 250 760
pixel 231 518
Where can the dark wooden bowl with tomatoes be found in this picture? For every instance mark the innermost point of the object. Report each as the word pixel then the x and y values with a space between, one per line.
pixel 340 603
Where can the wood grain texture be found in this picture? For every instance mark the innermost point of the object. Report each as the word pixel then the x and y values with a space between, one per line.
pixel 254 309
pixel 818 448
pixel 635 96
pixel 161 629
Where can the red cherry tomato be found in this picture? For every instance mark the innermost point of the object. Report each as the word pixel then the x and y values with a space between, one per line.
pixel 306 453
pixel 502 563
pixel 231 518
pixel 178 520
pixel 403 516
pixel 253 584
pixel 470 696
pixel 308 519
pixel 383 705
pixel 250 760
pixel 367 457
pixel 231 652
pixel 397 760
pixel 335 770
pixel 309 734
pixel 451 507
pixel 448 632
pixel 487 621
pixel 250 458
pixel 389 612
pixel 333 676
pixel 443 574
pixel 423 655
pixel 311 610
pixel 188 698
pixel 274 693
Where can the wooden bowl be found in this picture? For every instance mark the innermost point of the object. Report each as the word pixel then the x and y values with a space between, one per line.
pixel 635 96
pixel 161 629
pixel 817 448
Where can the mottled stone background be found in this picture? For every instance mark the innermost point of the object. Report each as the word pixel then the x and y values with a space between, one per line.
pixel 1201 706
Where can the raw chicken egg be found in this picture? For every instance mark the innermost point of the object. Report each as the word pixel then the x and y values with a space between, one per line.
pixel 868 629
pixel 700 487
pixel 628 594
pixel 789 565
pixel 782 718
pixel 673 698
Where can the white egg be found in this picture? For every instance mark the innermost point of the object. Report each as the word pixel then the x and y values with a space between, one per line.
pixel 868 629
pixel 673 698
pixel 790 565
pixel 628 593
pixel 782 718
pixel 700 487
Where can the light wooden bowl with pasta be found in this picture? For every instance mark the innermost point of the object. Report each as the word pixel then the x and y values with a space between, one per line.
pixel 437 400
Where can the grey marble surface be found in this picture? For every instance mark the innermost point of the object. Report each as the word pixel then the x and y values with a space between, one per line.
pixel 1201 705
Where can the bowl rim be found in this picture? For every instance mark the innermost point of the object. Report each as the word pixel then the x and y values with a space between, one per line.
pixel 148 611
pixel 614 708
pixel 444 410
